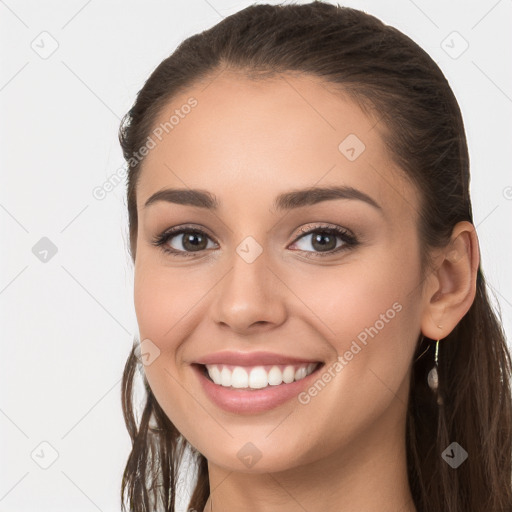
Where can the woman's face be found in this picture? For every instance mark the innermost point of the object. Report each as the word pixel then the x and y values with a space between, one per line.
pixel 264 276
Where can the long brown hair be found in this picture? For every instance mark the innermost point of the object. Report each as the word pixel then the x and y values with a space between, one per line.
pixel 387 74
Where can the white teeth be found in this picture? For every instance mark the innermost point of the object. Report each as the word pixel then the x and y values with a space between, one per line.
pixel 289 374
pixel 300 373
pixel 225 377
pixel 239 378
pixel 275 377
pixel 215 374
pixel 257 377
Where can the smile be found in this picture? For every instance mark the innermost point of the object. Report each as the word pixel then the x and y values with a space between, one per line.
pixel 250 390
pixel 257 377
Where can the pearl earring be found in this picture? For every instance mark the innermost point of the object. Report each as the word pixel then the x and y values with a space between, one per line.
pixel 433 375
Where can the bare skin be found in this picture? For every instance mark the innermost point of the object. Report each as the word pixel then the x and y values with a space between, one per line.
pixel 247 142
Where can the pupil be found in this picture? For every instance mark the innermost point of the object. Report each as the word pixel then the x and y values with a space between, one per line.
pixel 322 245
pixel 192 239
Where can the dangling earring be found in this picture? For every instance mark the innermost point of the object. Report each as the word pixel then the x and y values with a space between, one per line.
pixel 433 376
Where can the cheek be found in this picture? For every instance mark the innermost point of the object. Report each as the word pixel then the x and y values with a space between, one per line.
pixel 169 304
pixel 369 313
pixel 350 298
pixel 161 297
pixel 164 303
pixel 149 303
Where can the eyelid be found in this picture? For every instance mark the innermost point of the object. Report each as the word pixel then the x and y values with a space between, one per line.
pixel 350 240
pixel 160 240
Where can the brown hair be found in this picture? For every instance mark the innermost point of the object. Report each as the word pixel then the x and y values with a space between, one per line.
pixel 421 124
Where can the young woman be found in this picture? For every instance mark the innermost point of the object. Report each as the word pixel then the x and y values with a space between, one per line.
pixel 314 322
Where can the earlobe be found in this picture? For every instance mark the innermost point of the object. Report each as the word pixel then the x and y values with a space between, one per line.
pixel 452 285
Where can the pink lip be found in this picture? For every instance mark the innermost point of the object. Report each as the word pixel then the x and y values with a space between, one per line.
pixel 251 359
pixel 242 401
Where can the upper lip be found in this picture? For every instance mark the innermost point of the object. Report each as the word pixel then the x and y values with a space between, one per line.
pixel 251 358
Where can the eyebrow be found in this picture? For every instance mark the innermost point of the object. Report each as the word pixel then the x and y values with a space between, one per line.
pixel 286 201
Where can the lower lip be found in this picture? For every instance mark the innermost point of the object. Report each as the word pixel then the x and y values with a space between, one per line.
pixel 254 401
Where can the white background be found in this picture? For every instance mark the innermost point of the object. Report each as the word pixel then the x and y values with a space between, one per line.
pixel 68 323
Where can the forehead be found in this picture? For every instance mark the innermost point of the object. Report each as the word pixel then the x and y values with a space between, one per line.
pixel 258 138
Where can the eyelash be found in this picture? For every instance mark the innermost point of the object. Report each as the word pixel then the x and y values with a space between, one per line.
pixel 350 241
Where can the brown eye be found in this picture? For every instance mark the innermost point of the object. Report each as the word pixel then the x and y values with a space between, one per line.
pixel 322 240
pixel 182 241
pixel 194 241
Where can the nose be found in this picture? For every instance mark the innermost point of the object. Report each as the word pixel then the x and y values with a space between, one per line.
pixel 249 298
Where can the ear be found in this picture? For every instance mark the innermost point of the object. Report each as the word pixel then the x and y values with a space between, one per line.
pixel 451 287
